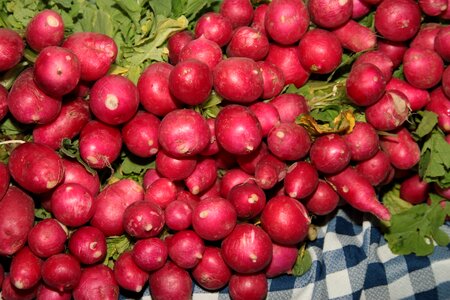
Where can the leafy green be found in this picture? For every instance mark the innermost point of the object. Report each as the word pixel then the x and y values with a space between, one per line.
pixel 133 167
pixel 434 165
pixel 393 202
pixel 303 262
pixel 41 213
pixel 116 245
pixel 71 149
pixel 426 121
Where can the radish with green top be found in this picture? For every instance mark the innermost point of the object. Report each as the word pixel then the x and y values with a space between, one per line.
pixel 414 189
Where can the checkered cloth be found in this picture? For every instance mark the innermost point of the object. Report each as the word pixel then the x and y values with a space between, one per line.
pixel 351 260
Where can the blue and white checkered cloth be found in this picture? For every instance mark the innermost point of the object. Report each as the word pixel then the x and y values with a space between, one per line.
pixel 351 260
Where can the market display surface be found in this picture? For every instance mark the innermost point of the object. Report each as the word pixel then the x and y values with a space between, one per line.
pixel 224 149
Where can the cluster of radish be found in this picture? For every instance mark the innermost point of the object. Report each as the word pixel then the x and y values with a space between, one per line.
pixel 231 196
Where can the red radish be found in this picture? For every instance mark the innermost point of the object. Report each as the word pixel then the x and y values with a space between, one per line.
pixel 214 218
pixel 211 273
pixel 245 134
pixel 330 14
pixel 301 180
pixel 61 272
pixel 161 192
pixel 213 190
pixel 170 283
pixel 96 281
pixel 440 105
pixel 325 56
pixel 259 17
pixel 417 98
pixel 362 141
pixel 239 12
pixel 365 84
pixel 422 68
pixel 395 50
pixel 290 106
pixel 4 179
pixel 238 79
pixel 176 42
pixel 47 237
pixel 286 220
pixel 248 42
pixel 267 116
pixel 248 199
pixel 150 176
pixel 185 248
pixel 187 197
pixel 3 102
pixel 10 292
pixel 203 176
pixel 202 49
pixel 444 192
pixel 398 20
pixel 379 59
pixel 88 245
pixel 426 36
pixel 283 259
pixel 360 9
pixel 214 27
pixel 30 105
pixel 174 168
pixel 143 219
pixel 178 215
pixel 45 29
pixel 213 146
pixel 273 79
pixel 414 190
pixel 35 167
pixel 11 48
pixel 100 144
pixel 355 36
pixel 390 112
pixel 287 60
pixel 357 191
pixel 286 21
pixel 73 116
pixel 251 286
pixel 44 292
pixel 25 269
pixel 442 42
pixel 247 249
pixel 232 178
pixel 403 150
pixel 183 133
pixel 445 83
pixel 330 153
pixel 289 141
pixel 95 51
pixel 74 172
pixel 247 163
pixel 269 171
pixel 111 203
pixel 128 275
pixel 153 88
pixel 323 201
pixel 150 254
pixel 376 168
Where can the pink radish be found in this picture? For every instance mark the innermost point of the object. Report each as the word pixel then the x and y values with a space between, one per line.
pixel 203 176
pixel 442 42
pixel 283 259
pixel 12 48
pixel 239 12
pixel 185 248
pixel 379 59
pixel 127 274
pixel 3 102
pixel 267 116
pixel 417 98
pixel 414 190
pixel 423 68
pixel 45 29
pixel 273 80
pixel 290 106
pixel 323 201
pixel 214 27
pixel 259 16
pixel 232 178
pixel 329 153
pixel 211 273
pixel 47 237
pixel 402 149
pixel 213 147
pixel 395 50
pixel 25 269
pixel 88 245
pixel 170 282
pixel 360 9
pixel 330 14
pixel 178 215
pixel 174 168
pixel 355 37
pixel 376 168
pixel 11 292
pixel 251 286
pixel 150 254
pixel 247 163
pixel 202 49
pixel 269 171
pixel 248 199
pixel 433 7
pixel 96 281
pixel 289 141
pixel 143 219
pixel 4 179
pixel 45 292
pixel 362 141
pixel 440 105
pixel 426 36
pixel 176 42
pixel 301 180
pixel 365 84
pixel 61 272
pixel 74 172
pixel 248 42
pixel 161 192
pixel 390 112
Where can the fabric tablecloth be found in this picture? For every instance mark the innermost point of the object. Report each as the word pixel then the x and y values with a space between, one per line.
pixel 351 260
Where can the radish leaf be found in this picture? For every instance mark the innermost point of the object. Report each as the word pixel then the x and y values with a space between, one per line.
pixel 434 165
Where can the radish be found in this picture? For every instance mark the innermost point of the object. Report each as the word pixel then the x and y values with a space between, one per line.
pixel 397 20
pixel 414 190
pixel 11 48
pixel 175 43
pixel 259 17
pixel 323 200
pixel 433 7
pixel 4 179
pixel 267 116
pixel 444 192
pixel 183 133
pixel 150 176
pixel 45 29
pixel 402 149
pixel 330 14
pixel 445 83
pixel 329 153
pixel 213 147
pixel 47 237
pixel 88 245
pixel 395 50
pixel 25 269
pixel 111 203
pixel 390 112
pixel 357 191
pixel 365 84
pixel 417 98
pixel 202 49
pixel 248 199
pixel 153 89
pixel 99 144
pixel 238 130
pixel 247 163
pixel 61 272
pixel 214 27
pixel 301 180
pixel 442 42
pixel 150 254
pixel 355 37
pixel 232 178
pixel 247 249
pixel 239 12
pixel 286 21
pixel 143 219
pixel 95 51
pixel 35 167
pixel 376 168
pixel 174 168
pixel 379 59
pixel 185 248
pixel 74 172
pixel 45 292
pixel 238 80
pixel 286 220
pixel 269 171
pixel 325 56
pixel 214 218
pixel 250 286
pixel 287 60
pixel 359 9
pixel 273 80
pixel 440 105
pixel 3 102
pixel 290 106
pixel 212 191
pixel 74 114
pixel 96 281
pixel 426 36
pixel 248 42
pixel 190 81
pixel 211 273
pixel 283 259
pixel 170 283
pixel 161 192
pixel 203 176
pixel 10 292
pixel 30 105
pixel 289 141
pixel 178 215
pixel 423 68
pixel 127 274
pixel 362 141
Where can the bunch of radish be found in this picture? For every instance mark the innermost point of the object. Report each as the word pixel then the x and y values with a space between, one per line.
pixel 233 190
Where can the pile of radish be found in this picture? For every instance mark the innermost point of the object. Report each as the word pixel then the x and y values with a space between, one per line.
pixel 237 168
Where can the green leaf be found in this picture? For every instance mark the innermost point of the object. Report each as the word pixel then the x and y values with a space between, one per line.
pixel 303 262
pixel 41 213
pixel 426 123
pixel 161 7
pixel 71 149
pixel 10 127
pixel 116 245
pixel 393 202
pixel 434 165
